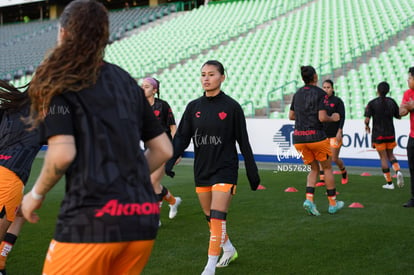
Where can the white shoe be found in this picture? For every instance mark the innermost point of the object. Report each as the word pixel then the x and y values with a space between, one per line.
pixel 400 179
pixel 208 272
pixel 159 223
pixel 174 208
pixel 388 186
pixel 227 258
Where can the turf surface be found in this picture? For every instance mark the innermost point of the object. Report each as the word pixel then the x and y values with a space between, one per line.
pixel 270 229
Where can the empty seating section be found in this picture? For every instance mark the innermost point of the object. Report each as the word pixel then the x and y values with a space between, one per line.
pixel 125 20
pixel 323 31
pixel 23 46
pixel 357 88
pixel 190 33
pixel 263 43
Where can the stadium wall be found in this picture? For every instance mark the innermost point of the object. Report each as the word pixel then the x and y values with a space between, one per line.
pixel 271 141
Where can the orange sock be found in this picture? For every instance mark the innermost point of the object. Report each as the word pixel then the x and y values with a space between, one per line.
pixel 217 232
pixel 331 196
pixel 321 176
pixel 395 166
pixel 387 175
pixel 169 198
pixel 309 193
pixel 309 197
pixel 5 247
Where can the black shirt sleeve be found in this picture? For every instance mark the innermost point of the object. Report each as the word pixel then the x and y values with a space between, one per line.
pixel 58 120
pixel 169 115
pixel 396 109
pixel 341 111
pixel 181 139
pixel 242 138
pixel 151 126
pixel 368 110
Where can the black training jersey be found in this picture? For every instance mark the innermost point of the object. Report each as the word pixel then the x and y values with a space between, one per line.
pixel 163 112
pixel 215 124
pixel 109 196
pixel 306 103
pixel 334 105
pixel 18 145
pixel 382 111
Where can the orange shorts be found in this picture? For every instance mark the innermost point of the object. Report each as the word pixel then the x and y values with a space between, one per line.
pixel 319 150
pixel 126 258
pixel 11 192
pixel 221 187
pixel 385 145
pixel 334 143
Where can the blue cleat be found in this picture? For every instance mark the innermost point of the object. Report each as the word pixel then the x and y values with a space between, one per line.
pixel 310 207
pixel 335 208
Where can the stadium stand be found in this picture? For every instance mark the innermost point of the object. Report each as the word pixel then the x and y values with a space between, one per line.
pixel 261 60
pixel 23 45
pixel 262 45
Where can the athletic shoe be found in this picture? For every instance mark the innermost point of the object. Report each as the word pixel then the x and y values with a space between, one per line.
pixel 3 272
pixel 335 208
pixel 227 258
pixel 321 183
pixel 159 225
pixel 310 207
pixel 388 186
pixel 174 208
pixel 409 203
pixel 344 180
pixel 208 272
pixel 400 179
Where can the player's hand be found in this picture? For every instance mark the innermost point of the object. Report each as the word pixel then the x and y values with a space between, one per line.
pixel 170 173
pixel 339 137
pixel 335 117
pixel 29 205
pixel 367 129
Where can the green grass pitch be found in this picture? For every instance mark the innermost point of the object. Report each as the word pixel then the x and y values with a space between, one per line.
pixel 269 228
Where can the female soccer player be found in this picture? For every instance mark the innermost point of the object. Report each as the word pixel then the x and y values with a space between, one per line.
pixel 215 122
pixel 308 110
pixel 18 148
pixel 93 115
pixel 163 112
pixel 382 110
pixel 333 130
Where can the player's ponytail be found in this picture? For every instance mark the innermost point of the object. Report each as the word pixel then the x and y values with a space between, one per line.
pixel 11 98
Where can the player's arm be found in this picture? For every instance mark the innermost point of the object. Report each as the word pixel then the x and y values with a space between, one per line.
pixel 173 129
pixel 406 107
pixel 159 150
pixel 367 129
pixel 59 155
pixel 323 116
pixel 292 109
pixel 291 115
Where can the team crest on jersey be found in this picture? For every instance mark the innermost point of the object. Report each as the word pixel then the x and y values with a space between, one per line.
pixel 198 114
pixel 157 113
pixel 222 115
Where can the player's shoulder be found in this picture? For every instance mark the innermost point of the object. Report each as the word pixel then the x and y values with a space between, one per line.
pixel 230 100
pixel 161 101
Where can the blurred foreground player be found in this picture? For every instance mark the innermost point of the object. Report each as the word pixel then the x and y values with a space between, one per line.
pixel 93 115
